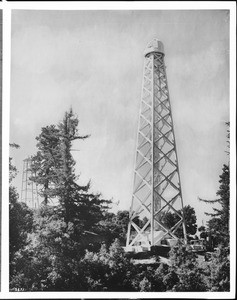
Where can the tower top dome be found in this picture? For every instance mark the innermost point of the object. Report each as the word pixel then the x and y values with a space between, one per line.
pixel 154 46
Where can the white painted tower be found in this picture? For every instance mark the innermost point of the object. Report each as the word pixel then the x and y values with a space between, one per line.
pixel 157 194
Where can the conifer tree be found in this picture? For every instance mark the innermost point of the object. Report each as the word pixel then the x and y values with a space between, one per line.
pixel 54 169
pixel 47 162
pixel 219 223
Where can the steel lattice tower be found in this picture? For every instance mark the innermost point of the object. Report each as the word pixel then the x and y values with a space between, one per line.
pixel 156 187
pixel 29 192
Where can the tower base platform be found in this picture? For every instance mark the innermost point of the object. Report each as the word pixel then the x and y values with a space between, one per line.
pixel 144 252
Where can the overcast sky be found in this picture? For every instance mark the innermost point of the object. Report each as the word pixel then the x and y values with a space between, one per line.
pixel 93 61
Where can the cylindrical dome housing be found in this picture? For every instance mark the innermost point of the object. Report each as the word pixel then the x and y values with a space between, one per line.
pixel 154 46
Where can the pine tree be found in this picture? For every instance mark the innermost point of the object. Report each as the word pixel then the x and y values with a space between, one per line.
pixel 54 169
pixel 58 240
pixel 219 223
pixel 47 162
pixel 69 191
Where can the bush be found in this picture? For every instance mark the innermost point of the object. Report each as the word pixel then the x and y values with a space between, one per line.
pixel 185 272
pixel 108 269
pixel 219 267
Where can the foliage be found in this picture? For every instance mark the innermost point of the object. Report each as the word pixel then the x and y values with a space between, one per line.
pixel 47 162
pixel 21 220
pixel 54 173
pixel 114 226
pixel 76 245
pixel 189 276
pixel 219 223
pixel 20 217
pixel 145 285
pixel 12 168
pixel 219 268
pixel 52 254
pixel 203 232
pixel 170 219
pixel 107 270
pixel 60 233
pixel 53 165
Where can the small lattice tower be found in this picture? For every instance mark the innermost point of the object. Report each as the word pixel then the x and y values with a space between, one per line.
pixel 157 196
pixel 29 192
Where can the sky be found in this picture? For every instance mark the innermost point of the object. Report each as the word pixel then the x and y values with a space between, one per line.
pixel 92 61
